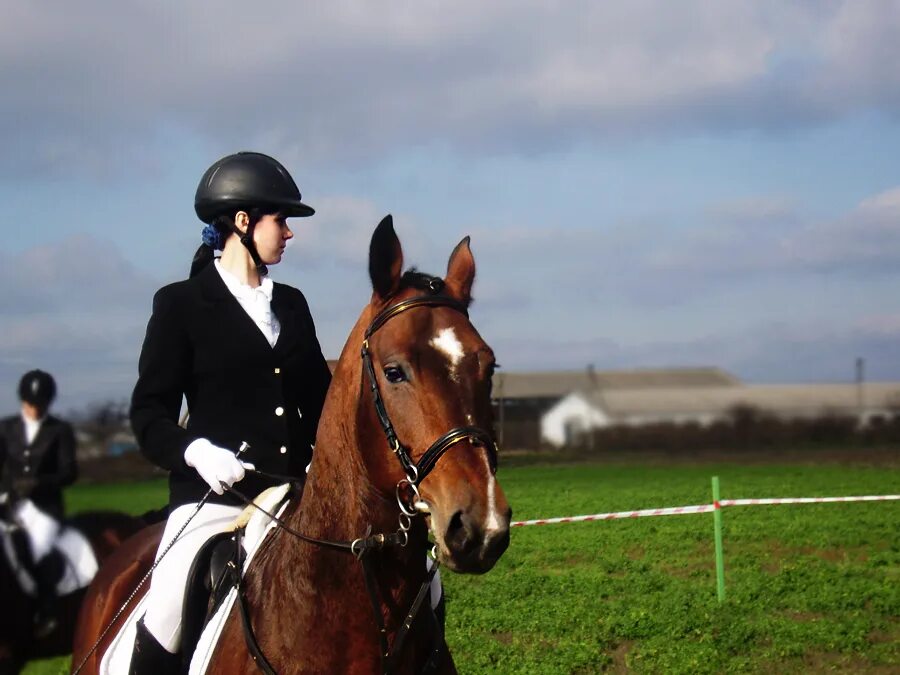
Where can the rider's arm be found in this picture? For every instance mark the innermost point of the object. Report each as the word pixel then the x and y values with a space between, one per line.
pixel 162 372
pixel 67 470
pixel 317 377
pixel 4 479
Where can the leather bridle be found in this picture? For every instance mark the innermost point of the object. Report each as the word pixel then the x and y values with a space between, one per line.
pixel 416 472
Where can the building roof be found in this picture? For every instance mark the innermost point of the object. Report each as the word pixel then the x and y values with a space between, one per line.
pixel 556 384
pixel 781 398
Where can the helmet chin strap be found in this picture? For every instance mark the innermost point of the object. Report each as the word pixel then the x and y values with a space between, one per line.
pixel 247 240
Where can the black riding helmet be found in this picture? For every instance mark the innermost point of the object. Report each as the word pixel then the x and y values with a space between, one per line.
pixel 37 388
pixel 248 180
pixel 244 180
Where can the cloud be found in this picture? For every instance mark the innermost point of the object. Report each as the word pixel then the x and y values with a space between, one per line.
pixel 629 294
pixel 79 271
pixel 98 90
pixel 753 211
pixel 771 351
pixel 341 231
pixel 757 286
pixel 766 239
pixel 77 309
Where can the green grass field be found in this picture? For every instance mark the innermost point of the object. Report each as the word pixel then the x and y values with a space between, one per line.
pixel 810 588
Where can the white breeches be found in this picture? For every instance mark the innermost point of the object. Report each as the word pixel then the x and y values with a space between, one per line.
pixel 42 529
pixel 165 599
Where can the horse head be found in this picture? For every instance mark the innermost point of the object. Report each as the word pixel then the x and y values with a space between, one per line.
pixel 425 409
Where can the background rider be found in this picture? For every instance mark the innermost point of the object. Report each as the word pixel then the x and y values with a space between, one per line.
pixel 37 460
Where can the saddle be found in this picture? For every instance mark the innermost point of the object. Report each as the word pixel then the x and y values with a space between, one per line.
pixel 215 571
pixel 218 567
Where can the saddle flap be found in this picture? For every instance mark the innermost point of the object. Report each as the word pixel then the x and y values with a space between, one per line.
pixel 213 572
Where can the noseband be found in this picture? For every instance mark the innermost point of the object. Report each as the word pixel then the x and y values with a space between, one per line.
pixel 417 471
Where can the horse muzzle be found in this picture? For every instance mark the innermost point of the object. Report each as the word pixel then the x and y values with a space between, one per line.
pixel 470 546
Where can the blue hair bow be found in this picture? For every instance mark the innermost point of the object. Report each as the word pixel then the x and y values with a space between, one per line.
pixel 212 237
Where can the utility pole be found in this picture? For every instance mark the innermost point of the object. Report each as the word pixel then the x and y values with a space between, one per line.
pixel 860 388
pixel 588 425
pixel 500 406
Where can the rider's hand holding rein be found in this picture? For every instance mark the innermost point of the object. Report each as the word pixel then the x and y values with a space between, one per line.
pixel 215 465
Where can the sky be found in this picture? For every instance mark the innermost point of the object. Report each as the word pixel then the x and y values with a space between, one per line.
pixel 645 183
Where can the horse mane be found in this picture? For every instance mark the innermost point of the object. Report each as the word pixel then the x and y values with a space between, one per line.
pixel 413 278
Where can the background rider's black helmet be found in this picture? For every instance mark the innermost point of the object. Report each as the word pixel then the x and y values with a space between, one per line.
pixel 245 180
pixel 37 388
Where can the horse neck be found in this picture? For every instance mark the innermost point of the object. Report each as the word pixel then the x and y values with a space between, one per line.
pixel 339 500
pixel 327 588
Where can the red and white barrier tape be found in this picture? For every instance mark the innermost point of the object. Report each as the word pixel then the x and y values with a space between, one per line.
pixel 701 508
pixel 807 500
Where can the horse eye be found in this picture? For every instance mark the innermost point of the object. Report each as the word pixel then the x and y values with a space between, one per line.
pixel 394 374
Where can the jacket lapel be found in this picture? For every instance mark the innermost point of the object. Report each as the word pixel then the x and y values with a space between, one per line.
pixel 19 430
pixel 287 317
pixel 214 291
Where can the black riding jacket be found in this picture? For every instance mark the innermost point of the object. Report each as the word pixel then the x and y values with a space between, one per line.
pixel 202 345
pixel 49 459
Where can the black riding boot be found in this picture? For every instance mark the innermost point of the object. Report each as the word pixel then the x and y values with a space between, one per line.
pixel 47 574
pixel 150 657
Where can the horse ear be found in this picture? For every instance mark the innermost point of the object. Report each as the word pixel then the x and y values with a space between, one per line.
pixel 385 259
pixel 461 272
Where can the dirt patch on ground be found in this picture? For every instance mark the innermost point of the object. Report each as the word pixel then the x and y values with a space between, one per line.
pixel 803 617
pixel 889 635
pixel 828 662
pixel 503 637
pixel 776 552
pixel 618 656
pixel 636 552
pixel 690 570
pixel 771 567
pixel 825 662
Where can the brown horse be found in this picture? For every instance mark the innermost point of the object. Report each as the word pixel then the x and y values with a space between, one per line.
pixel 420 393
pixel 105 530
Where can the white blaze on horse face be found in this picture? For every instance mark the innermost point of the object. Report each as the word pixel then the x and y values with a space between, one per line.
pixel 447 343
pixel 493 518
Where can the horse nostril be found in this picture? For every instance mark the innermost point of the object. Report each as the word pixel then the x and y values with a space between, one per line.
pixel 496 545
pixel 460 536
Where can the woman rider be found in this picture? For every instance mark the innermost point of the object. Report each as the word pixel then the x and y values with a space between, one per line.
pixel 37 460
pixel 243 351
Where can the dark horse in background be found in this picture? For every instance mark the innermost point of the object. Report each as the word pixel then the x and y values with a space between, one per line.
pixel 413 382
pixel 105 531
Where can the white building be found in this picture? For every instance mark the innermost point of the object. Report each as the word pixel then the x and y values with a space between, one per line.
pixel 599 407
pixel 522 399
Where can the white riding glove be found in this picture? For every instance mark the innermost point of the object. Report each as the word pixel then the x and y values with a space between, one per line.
pixel 214 464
